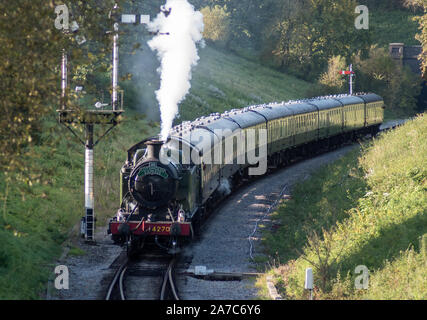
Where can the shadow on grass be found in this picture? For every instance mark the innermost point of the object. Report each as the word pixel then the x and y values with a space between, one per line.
pixel 387 246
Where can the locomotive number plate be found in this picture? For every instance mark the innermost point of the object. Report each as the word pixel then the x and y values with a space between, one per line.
pixel 161 229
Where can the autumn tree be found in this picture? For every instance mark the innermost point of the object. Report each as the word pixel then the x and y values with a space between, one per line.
pixel 30 55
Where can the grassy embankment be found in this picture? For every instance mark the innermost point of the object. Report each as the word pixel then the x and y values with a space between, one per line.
pixel 39 208
pixel 369 208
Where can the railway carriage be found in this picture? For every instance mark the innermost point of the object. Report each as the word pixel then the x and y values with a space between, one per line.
pixel 279 132
pixel 374 110
pixel 249 123
pixel 227 131
pixel 354 113
pixel 168 187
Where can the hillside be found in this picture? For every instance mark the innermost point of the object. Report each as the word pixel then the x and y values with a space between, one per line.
pixel 40 205
pixel 221 81
pixel 224 81
pixel 369 208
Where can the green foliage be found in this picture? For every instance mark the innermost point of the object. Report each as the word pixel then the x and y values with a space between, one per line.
pixel 398 85
pixel 332 80
pixel 386 4
pixel 316 205
pixel 30 53
pixel 401 279
pixel 367 211
pixel 75 251
pixel 422 36
pixel 307 33
pixel 38 209
pixel 217 23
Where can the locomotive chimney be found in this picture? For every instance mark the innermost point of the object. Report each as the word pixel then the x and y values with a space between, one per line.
pixel 153 149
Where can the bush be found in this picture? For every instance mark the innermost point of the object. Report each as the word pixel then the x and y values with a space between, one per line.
pixel 331 80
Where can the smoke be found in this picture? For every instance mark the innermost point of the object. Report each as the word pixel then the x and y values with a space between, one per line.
pixel 177 53
pixel 224 188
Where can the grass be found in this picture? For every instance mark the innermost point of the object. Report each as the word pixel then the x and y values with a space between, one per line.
pixel 404 278
pixel 369 208
pixel 38 208
pixel 76 251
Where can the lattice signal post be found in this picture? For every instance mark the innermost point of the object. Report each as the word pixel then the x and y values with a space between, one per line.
pixel 102 114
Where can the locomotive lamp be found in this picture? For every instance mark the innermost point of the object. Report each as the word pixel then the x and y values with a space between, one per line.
pixel 98 114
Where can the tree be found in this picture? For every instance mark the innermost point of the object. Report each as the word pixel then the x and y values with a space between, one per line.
pixel 308 32
pixel 30 54
pixel 246 20
pixel 217 23
pixel 332 80
pixel 379 73
pixel 422 36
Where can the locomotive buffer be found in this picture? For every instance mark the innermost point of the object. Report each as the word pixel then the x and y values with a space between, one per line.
pixel 103 114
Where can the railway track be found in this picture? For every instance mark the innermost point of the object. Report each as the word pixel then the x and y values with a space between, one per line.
pixel 151 276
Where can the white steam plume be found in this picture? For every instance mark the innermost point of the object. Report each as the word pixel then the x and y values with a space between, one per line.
pixel 177 53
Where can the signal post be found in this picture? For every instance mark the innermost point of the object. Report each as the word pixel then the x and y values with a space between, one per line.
pixel 351 74
pixel 103 114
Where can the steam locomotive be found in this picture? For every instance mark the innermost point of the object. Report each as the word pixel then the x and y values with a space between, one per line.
pixel 168 188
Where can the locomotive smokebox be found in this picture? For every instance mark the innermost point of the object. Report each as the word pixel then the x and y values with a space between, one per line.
pixel 152 183
pixel 153 149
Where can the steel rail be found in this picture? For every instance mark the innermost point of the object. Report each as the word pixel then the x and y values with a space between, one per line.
pixel 118 275
pixel 168 278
